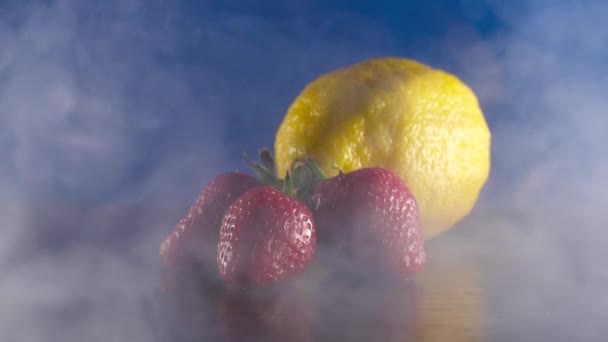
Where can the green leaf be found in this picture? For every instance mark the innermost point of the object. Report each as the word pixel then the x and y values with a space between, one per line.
pixel 315 168
pixel 267 161
pixel 265 176
pixel 288 187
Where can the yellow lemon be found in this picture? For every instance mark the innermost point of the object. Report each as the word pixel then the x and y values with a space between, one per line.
pixel 423 123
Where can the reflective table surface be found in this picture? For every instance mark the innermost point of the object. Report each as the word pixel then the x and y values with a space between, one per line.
pixel 492 278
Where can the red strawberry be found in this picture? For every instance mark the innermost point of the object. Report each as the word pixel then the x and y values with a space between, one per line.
pixel 265 236
pixel 190 249
pixel 371 218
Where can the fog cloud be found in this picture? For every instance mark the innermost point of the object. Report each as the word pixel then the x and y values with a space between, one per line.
pixel 113 117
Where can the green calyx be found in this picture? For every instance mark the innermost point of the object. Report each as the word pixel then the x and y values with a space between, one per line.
pixel 299 182
pixel 265 169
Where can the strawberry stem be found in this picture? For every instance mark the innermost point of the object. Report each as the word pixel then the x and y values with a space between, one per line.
pixel 300 181
pixel 265 175
pixel 315 168
pixel 288 185
pixel 267 162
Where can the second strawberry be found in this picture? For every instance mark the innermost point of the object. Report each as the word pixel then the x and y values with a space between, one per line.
pixel 265 236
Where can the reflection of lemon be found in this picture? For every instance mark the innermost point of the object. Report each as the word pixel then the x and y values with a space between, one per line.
pixel 425 124
pixel 452 302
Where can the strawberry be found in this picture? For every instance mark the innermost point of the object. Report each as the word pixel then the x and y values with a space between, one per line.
pixel 265 236
pixel 371 218
pixel 189 250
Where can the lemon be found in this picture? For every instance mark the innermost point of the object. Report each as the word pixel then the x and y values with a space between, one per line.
pixel 423 123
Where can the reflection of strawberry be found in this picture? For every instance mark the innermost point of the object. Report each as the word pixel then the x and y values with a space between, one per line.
pixel 270 313
pixel 366 309
pixel 371 217
pixel 265 236
pixel 189 250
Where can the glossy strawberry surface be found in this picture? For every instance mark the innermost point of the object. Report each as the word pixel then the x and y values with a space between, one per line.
pixel 190 249
pixel 265 236
pixel 371 219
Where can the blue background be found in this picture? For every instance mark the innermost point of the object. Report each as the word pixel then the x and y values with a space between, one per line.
pixel 114 115
pixel 199 82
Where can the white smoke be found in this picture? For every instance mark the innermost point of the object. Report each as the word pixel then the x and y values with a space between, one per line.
pixel 113 116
